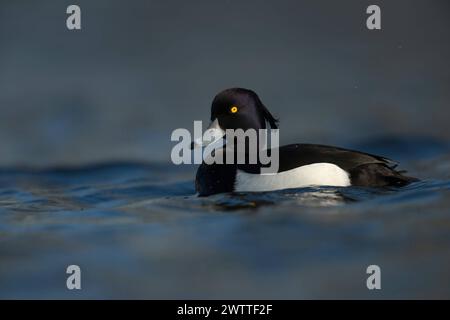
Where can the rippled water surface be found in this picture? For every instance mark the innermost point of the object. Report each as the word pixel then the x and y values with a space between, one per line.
pixel 138 231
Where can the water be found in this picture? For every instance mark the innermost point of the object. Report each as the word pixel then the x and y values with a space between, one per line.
pixel 138 230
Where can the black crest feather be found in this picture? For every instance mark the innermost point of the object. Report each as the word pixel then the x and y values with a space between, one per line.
pixel 266 113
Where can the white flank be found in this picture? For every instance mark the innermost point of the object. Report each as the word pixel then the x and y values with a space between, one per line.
pixel 316 174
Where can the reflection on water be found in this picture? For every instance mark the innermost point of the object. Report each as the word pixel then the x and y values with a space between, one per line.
pixel 138 231
pixel 314 196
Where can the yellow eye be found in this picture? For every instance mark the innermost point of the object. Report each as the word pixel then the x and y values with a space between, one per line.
pixel 234 109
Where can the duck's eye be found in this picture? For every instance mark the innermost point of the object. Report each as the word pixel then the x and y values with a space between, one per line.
pixel 234 109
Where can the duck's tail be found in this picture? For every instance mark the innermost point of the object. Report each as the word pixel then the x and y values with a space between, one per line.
pixel 379 175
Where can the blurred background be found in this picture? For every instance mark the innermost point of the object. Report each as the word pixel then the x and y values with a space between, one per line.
pixel 139 69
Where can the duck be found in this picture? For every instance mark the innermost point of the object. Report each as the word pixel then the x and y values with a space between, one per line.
pixel 299 165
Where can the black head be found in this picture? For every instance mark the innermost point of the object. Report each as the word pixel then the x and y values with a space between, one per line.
pixel 239 108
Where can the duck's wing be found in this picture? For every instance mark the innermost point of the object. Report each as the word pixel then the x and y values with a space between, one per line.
pixel 296 155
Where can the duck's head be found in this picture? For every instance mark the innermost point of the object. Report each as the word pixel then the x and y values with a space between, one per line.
pixel 236 108
pixel 239 108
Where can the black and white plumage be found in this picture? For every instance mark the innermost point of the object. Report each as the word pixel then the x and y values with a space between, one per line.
pixel 300 165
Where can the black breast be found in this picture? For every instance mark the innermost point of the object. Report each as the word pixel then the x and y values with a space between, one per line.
pixel 215 178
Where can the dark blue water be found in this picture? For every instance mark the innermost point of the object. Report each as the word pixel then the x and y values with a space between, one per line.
pixel 137 230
